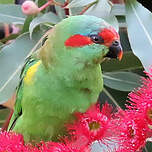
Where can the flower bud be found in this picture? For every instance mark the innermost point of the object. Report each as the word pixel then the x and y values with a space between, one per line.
pixel 30 8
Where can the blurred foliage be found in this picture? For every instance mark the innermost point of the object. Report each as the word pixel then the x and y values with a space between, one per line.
pixel 6 1
pixel 120 77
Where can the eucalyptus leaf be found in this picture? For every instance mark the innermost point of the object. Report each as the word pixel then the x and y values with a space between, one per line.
pixel 46 18
pixel 139 21
pixel 27 24
pixel 11 13
pixel 118 9
pixel 115 97
pixel 2 45
pixel 79 3
pixel 12 59
pixel 128 62
pixel 102 9
pixel 61 12
pixel 123 81
pixel 148 146
pixel 10 37
pixel 112 20
pixel 75 10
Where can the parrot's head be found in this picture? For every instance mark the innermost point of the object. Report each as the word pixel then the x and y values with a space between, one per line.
pixel 85 39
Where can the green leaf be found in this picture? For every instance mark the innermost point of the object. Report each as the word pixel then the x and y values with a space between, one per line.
pixel 11 61
pixel 115 97
pixel 2 45
pixel 61 12
pixel 11 37
pixel 148 147
pixel 112 20
pixel 46 18
pixel 79 3
pixel 40 2
pixel 118 9
pixel 27 23
pixel 11 14
pixel 110 97
pixel 123 81
pixel 139 21
pixel 128 62
pixel 75 10
pixel 102 9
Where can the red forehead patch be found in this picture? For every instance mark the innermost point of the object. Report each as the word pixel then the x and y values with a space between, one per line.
pixel 109 35
pixel 78 40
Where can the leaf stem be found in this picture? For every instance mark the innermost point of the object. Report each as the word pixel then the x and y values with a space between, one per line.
pixel 58 3
pixel 6 29
pixel 46 5
pixel 11 37
pixel 67 1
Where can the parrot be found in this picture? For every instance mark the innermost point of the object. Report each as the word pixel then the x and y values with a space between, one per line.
pixel 63 77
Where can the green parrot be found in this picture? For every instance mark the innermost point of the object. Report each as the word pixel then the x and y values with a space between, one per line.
pixel 63 77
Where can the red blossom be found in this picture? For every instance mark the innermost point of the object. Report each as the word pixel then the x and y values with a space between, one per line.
pixel 141 99
pixel 132 131
pixel 77 143
pixel 54 147
pixel 11 142
pixel 90 125
pixel 47 147
pixel 93 125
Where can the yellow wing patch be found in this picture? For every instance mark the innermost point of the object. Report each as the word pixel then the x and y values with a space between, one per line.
pixel 30 72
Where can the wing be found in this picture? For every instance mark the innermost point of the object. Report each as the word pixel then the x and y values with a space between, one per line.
pixel 19 91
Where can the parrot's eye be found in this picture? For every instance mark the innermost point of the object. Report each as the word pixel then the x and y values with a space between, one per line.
pixel 97 39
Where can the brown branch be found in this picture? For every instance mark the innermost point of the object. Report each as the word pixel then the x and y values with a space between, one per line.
pixel 67 1
pixel 6 29
pixel 46 5
pixel 58 3
pixel 10 102
pixel 6 123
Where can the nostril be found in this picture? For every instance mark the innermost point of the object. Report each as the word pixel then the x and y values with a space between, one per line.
pixel 115 43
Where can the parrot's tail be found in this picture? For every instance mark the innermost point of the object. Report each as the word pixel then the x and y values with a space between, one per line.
pixel 5 125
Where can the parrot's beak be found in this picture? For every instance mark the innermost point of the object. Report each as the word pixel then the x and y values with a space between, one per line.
pixel 115 50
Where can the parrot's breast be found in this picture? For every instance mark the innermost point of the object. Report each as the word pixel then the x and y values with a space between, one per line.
pixel 49 102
